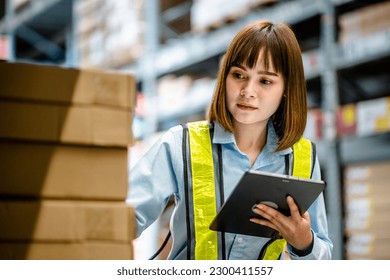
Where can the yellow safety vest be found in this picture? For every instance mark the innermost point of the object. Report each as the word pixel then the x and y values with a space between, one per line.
pixel 201 174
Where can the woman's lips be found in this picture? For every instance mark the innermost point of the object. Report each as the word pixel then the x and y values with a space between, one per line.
pixel 246 107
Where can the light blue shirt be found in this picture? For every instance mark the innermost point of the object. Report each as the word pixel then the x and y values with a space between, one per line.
pixel 159 175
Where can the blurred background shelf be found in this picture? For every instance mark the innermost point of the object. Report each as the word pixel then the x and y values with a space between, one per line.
pixel 174 48
pixel 39 31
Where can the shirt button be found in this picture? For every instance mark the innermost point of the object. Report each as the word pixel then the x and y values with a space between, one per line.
pixel 239 240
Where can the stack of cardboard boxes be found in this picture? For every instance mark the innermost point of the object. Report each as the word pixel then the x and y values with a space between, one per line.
pixel 208 15
pixel 109 33
pixel 364 22
pixel 367 204
pixel 64 137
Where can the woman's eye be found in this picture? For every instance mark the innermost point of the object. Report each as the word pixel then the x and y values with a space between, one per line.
pixel 265 82
pixel 238 75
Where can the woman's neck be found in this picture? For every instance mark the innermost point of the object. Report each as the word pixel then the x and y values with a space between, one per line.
pixel 251 139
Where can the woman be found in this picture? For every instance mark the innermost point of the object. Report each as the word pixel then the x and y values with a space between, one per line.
pixel 258 113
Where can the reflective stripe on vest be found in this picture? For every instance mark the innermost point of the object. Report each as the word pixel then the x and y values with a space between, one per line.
pixel 274 250
pixel 203 186
pixel 302 159
pixel 204 196
pixel 301 168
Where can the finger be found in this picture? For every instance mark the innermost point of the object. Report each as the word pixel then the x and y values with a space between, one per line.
pixel 270 214
pixel 265 211
pixel 263 223
pixel 306 216
pixel 294 210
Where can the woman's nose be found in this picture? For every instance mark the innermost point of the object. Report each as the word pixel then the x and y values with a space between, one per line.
pixel 248 91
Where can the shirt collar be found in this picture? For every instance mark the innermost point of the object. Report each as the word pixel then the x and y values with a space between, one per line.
pixel 221 136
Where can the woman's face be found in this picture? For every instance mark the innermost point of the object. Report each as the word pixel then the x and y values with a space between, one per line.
pixel 253 94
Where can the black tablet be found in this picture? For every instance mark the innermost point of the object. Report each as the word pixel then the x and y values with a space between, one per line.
pixel 262 187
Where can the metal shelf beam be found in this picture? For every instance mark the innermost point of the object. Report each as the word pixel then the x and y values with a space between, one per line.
pixel 330 103
pixel 365 149
pixel 32 13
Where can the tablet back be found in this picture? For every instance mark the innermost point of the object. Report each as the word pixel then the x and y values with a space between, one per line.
pixel 263 187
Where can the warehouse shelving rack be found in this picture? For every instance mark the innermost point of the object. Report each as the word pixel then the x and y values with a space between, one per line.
pixel 327 65
pixel 40 31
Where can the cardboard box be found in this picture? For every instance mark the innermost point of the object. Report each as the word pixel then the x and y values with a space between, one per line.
pixel 372 190
pixel 359 206
pixel 66 85
pixel 55 171
pixel 66 221
pixel 368 221
pixel 365 246
pixel 346 120
pixel 379 230
pixel 373 116
pixel 364 213
pixel 66 251
pixel 364 118
pixel 365 21
pixel 368 173
pixel 367 202
pixel 207 15
pixel 90 125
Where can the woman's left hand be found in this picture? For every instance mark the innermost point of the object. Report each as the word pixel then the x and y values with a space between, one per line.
pixel 296 229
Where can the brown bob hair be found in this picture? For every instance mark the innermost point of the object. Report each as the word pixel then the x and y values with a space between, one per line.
pixel 278 42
